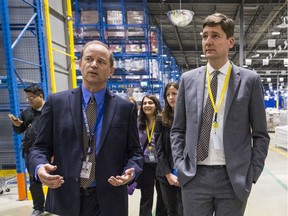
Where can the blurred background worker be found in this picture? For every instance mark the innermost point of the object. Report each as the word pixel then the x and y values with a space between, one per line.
pixel 27 123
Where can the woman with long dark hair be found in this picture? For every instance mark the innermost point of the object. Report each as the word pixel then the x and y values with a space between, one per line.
pixel 167 176
pixel 149 112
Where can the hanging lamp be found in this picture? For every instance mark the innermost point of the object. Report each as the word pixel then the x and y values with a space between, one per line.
pixel 180 17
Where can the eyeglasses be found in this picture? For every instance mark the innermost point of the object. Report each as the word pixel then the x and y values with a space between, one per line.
pixel 30 98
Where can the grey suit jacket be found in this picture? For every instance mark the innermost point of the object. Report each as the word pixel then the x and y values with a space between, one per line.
pixel 245 137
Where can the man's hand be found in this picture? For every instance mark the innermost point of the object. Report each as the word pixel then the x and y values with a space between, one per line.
pixel 52 181
pixel 16 121
pixel 172 179
pixel 122 180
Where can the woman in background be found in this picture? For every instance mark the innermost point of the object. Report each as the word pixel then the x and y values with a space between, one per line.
pixel 150 108
pixel 167 176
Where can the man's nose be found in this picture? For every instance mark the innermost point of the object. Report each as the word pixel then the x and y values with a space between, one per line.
pixel 209 40
pixel 94 63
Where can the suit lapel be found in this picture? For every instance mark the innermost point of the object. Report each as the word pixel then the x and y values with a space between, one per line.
pixel 109 110
pixel 200 91
pixel 75 104
pixel 232 88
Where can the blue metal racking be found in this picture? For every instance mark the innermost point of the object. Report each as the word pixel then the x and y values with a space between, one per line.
pixel 121 34
pixel 25 64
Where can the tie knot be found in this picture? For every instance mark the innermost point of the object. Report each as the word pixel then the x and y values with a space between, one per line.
pixel 92 99
pixel 216 73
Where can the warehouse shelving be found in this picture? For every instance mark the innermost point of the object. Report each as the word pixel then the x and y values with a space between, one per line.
pixel 124 27
pixel 24 63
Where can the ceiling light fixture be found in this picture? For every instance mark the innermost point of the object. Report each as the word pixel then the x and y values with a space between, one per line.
pixel 276 33
pixel 255 55
pixel 284 23
pixel 180 17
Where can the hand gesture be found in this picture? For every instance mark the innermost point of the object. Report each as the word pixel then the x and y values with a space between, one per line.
pixel 52 181
pixel 122 180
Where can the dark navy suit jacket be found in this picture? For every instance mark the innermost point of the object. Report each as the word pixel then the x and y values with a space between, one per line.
pixel 61 135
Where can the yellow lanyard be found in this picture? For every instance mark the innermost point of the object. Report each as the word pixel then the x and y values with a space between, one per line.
pixel 217 107
pixel 150 134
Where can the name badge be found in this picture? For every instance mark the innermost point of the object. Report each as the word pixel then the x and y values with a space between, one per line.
pixel 151 157
pixel 86 169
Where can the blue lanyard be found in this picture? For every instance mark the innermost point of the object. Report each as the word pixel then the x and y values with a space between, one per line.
pixel 91 134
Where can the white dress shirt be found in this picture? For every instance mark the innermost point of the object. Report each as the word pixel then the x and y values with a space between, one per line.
pixel 216 154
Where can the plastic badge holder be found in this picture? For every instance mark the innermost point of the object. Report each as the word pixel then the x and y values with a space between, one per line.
pixel 131 188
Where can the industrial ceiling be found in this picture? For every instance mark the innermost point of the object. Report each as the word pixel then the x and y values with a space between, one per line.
pixel 255 20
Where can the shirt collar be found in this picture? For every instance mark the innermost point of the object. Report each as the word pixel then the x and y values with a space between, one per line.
pixel 223 69
pixel 99 96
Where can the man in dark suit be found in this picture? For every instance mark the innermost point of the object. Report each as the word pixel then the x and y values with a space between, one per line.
pixel 63 162
pixel 219 136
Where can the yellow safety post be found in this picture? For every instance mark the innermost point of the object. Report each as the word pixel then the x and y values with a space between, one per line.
pixel 71 43
pixel 49 46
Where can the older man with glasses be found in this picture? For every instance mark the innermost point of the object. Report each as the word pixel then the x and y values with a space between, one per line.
pixel 27 123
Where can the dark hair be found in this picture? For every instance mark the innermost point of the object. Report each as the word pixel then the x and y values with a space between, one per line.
pixel 111 57
pixel 168 113
pixel 226 23
pixel 142 116
pixel 34 89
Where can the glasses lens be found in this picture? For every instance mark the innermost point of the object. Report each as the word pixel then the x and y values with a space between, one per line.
pixel 30 98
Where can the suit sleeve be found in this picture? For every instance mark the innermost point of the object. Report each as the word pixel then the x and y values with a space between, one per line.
pixel 134 151
pixel 163 162
pixel 178 131
pixel 42 150
pixel 258 123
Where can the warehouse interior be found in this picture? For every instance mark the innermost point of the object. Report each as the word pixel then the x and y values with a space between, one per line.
pixel 40 41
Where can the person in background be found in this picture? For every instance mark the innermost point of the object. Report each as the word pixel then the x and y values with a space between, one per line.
pixel 28 123
pixel 93 138
pixel 165 172
pixel 133 100
pixel 150 108
pixel 219 135
pixel 281 104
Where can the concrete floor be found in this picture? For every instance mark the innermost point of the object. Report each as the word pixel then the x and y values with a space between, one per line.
pixel 269 196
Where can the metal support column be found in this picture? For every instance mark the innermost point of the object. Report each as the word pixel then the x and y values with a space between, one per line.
pixel 13 94
pixel 41 45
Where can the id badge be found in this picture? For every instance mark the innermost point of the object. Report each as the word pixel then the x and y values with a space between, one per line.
pixel 216 141
pixel 86 169
pixel 151 157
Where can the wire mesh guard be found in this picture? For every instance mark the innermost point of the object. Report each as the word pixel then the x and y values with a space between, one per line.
pixel 180 17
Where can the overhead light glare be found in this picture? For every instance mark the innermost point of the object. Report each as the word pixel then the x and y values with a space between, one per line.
pixel 256 55
pixel 276 33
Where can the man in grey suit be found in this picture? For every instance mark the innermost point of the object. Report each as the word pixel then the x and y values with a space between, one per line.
pixel 218 157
